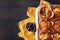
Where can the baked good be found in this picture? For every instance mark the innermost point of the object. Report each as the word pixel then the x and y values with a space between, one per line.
pixel 56 10
pixel 44 25
pixel 45 12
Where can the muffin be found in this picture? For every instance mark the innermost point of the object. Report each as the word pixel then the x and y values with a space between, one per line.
pixel 56 25
pixel 44 25
pixel 56 10
pixel 45 12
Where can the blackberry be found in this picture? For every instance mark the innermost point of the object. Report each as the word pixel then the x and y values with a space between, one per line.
pixel 31 27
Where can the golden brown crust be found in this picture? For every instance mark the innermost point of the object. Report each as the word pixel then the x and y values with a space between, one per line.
pixel 45 12
pixel 57 25
pixel 44 25
pixel 56 10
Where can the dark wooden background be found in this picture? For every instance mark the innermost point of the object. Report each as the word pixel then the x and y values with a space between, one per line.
pixel 12 11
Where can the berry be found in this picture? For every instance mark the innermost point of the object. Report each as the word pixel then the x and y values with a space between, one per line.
pixel 31 27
